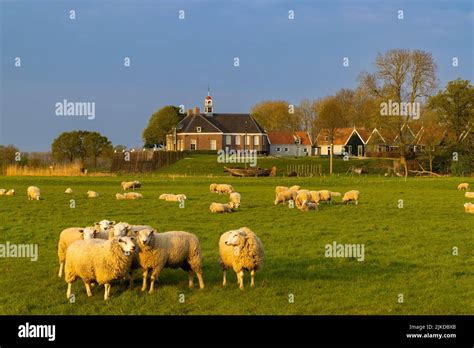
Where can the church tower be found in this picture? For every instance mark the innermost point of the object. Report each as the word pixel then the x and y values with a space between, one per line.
pixel 208 108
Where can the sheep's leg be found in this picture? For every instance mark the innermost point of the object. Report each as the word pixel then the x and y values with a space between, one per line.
pixel 224 281
pixel 154 275
pixel 252 274
pixel 357 202
pixel 88 289
pixel 145 275
pixel 61 267
pixel 190 276
pixel 241 280
pixel 201 281
pixel 107 291
pixel 69 290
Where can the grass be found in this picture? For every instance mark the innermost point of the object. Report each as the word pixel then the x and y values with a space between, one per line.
pixel 407 251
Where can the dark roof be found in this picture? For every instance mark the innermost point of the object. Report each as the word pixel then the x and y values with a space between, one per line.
pixel 226 123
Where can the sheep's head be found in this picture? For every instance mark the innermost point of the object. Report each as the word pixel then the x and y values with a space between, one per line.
pixel 127 245
pixel 145 236
pixel 236 237
pixel 88 233
pixel 212 187
pixel 105 224
pixel 121 229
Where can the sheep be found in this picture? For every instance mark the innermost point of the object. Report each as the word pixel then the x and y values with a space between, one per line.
pixel 213 187
pixel 100 261
pixel 169 250
pixel 242 250
pixel 120 229
pixel 92 194
pixel 68 190
pixel 351 196
pixel 469 195
pixel 279 189
pixel 10 192
pixel 128 196
pixel 69 236
pixel 34 193
pixel 326 196
pixel 224 189
pixel 220 208
pixel 170 197
pixel 309 206
pixel 234 200
pixel 126 185
pixel 315 197
pixel 295 188
pixel 2 192
pixel 469 208
pixel 284 196
pixel 463 186
pixel 302 196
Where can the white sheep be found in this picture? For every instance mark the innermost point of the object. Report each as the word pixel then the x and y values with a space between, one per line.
pixel 68 190
pixel 128 196
pixel 349 196
pixel 92 194
pixel 469 195
pixel 463 186
pixel 469 208
pixel 220 208
pixel 100 261
pixel 169 250
pixel 34 193
pixel 170 197
pixel 326 196
pixel 2 192
pixel 69 236
pixel 213 187
pixel 241 250
pixel 279 189
pixel 284 196
pixel 10 192
pixel 234 200
pixel 224 189
pixel 302 196
pixel 295 188
pixel 126 185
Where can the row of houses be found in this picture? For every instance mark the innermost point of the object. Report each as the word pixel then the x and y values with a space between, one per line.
pixel 211 131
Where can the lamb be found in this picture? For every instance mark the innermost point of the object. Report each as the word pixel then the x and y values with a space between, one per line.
pixel 92 194
pixel 234 200
pixel 169 250
pixel 463 186
pixel 284 196
pixel 10 192
pixel 170 197
pixel 469 195
pixel 241 250
pixel 220 208
pixel 128 196
pixel 127 185
pixel 100 261
pixel 351 196
pixel 68 190
pixel 326 196
pixel 34 193
pixel 469 208
pixel 302 196
pixel 2 192
pixel 69 236
pixel 224 189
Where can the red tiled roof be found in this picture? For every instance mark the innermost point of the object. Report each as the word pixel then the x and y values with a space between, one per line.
pixel 340 137
pixel 304 136
pixel 281 137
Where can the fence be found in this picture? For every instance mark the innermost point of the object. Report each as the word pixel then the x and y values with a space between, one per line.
pixel 304 169
pixel 144 161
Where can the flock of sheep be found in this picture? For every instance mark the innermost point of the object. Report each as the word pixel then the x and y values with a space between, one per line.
pixel 468 207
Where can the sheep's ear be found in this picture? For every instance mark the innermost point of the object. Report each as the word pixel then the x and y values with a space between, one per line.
pixel 152 231
pixel 242 232
pixel 112 223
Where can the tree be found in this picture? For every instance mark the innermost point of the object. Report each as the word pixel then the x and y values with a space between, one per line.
pixel 8 154
pixel 276 115
pixel 97 145
pixel 161 123
pixel 307 115
pixel 402 76
pixel 432 136
pixel 330 117
pixel 68 146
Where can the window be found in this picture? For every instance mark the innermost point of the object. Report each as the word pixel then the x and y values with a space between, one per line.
pixel 247 140
pixel 228 140
pixel 256 140
pixel 237 140
pixel 193 144
pixel 286 149
pixel 305 150
pixel 329 150
pixel 298 141
pixel 326 138
pixel 278 149
pixel 213 145
pixel 198 129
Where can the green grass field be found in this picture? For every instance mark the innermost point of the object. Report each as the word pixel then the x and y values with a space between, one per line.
pixel 408 251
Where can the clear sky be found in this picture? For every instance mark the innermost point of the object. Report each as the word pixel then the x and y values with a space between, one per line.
pixel 174 60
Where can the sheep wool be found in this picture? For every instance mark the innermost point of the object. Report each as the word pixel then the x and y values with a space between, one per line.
pixel 220 208
pixel 92 194
pixel 469 195
pixel 351 196
pixel 10 192
pixel 469 208
pixel 463 186
pixel 234 200
pixel 34 193
pixel 284 196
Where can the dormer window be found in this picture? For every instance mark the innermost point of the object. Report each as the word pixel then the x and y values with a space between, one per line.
pixel 298 141
pixel 198 129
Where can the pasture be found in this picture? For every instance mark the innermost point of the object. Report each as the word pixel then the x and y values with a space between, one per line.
pixel 408 250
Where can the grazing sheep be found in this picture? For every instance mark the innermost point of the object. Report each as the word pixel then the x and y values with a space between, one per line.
pixel 351 196
pixel 295 188
pixel 2 192
pixel 100 261
pixel 169 250
pixel 10 192
pixel 69 236
pixel 463 186
pixel 128 196
pixel 34 193
pixel 279 189
pixel 469 195
pixel 234 200
pixel 68 190
pixel 92 194
pixel 284 196
pixel 224 189
pixel 127 185
pixel 241 250
pixel 213 187
pixel 170 197
pixel 469 208
pixel 315 197
pixel 326 196
pixel 309 206
pixel 220 208
pixel 302 196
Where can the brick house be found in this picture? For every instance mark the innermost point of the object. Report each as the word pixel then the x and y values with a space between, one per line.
pixel 212 131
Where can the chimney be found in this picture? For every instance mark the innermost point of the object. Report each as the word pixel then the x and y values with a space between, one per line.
pixel 190 112
pixel 197 111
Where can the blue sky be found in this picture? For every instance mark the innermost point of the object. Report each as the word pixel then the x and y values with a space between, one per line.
pixel 173 60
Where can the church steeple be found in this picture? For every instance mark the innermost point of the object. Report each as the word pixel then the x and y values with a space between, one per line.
pixel 208 108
